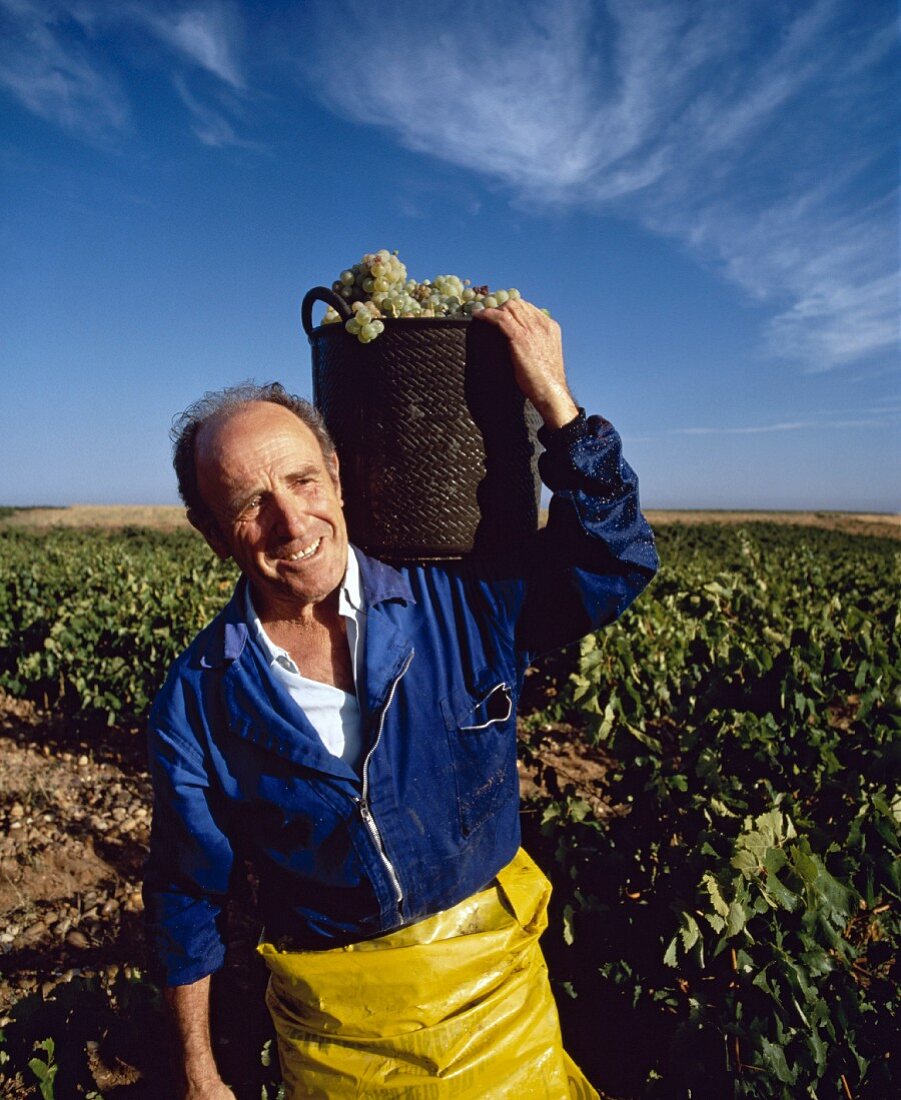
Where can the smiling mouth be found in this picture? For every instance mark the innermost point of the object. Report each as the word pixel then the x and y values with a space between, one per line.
pixel 307 552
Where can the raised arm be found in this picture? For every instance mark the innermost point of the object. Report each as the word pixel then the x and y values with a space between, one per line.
pixel 596 552
pixel 536 349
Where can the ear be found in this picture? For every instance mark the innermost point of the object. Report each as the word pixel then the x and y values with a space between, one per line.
pixel 332 466
pixel 211 534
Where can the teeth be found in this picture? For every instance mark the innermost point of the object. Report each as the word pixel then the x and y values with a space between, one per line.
pixel 301 554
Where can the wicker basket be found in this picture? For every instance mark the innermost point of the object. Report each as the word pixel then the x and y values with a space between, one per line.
pixel 437 445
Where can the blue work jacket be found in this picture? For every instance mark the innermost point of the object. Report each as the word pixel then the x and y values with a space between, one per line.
pixel 240 774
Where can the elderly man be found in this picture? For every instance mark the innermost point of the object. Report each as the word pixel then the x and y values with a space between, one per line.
pixel 350 728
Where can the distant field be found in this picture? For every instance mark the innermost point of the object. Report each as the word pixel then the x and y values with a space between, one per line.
pixel 160 516
pixel 172 517
pixel 883 524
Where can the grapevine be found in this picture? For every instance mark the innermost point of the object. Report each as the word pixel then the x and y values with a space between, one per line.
pixel 378 287
pixel 735 922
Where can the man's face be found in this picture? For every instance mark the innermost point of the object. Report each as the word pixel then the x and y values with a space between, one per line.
pixel 276 506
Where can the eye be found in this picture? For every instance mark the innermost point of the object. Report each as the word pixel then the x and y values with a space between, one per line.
pixel 250 508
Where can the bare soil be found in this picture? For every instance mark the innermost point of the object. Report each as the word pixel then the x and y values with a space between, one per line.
pixel 74 825
pixel 74 829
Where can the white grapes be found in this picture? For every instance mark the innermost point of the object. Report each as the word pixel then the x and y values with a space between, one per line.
pixel 378 287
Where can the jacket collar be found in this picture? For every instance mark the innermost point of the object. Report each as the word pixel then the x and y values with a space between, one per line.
pixel 381 581
pixel 224 640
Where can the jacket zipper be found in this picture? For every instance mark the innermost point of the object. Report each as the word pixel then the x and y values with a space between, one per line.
pixel 365 811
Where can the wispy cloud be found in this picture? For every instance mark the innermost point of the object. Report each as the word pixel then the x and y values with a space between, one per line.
pixel 54 74
pixel 787 426
pixel 832 264
pixel 205 34
pixel 881 412
pixel 747 131
pixel 210 125
pixel 56 59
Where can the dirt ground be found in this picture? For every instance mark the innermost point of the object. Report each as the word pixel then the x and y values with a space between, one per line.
pixel 74 827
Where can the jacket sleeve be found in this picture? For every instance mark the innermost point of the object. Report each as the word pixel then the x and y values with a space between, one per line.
pixel 191 861
pixel 596 553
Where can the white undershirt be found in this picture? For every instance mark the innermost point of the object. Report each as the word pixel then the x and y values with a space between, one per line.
pixel 333 713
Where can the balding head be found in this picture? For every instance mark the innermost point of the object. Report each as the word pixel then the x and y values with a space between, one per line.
pixel 272 502
pixel 218 406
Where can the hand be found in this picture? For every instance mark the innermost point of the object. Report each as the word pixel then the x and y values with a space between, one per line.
pixel 536 348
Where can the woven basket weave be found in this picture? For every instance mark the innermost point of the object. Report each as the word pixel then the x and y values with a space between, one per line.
pixel 437 445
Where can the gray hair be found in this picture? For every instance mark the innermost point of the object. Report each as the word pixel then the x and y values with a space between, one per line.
pixel 219 405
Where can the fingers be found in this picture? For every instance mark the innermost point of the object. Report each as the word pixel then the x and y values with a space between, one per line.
pixel 513 307
pixel 514 314
pixel 501 318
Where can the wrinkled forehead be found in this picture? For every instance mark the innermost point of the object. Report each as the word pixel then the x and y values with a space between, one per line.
pixel 239 447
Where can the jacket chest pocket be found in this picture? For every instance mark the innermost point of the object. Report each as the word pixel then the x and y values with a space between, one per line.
pixel 481 731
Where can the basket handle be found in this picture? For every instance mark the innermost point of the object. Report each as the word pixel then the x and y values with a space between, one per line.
pixel 322 294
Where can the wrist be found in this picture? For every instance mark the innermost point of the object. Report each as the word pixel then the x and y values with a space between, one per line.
pixel 560 438
pixel 204 1087
pixel 198 1076
pixel 556 410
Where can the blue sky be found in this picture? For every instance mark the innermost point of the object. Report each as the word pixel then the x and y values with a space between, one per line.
pixel 704 193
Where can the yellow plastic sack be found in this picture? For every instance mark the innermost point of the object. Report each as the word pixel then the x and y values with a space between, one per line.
pixel 456 1006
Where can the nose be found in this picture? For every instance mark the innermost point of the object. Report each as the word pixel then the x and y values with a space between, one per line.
pixel 288 515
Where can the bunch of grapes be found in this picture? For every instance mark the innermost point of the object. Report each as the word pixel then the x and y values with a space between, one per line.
pixel 378 287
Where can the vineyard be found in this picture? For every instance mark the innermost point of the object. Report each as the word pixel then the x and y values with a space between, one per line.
pixel 725 920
